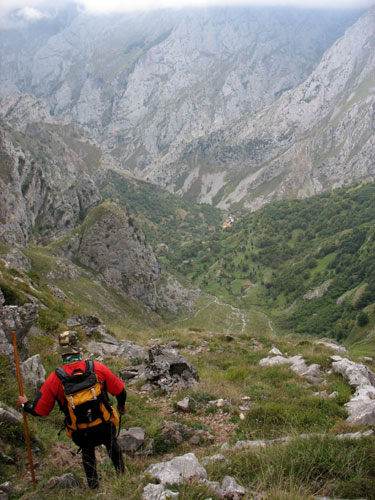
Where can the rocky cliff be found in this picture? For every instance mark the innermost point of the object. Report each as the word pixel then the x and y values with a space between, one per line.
pixel 186 98
pixel 109 243
pixel 48 192
pixel 45 175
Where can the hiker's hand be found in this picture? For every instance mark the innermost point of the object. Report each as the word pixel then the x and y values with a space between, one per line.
pixel 21 400
pixel 122 410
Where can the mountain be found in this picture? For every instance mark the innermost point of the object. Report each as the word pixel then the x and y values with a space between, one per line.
pixel 223 106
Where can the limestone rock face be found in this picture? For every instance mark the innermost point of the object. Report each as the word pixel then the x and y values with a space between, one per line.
pixel 361 407
pixel 44 180
pixel 110 244
pixel 186 98
pixel 18 319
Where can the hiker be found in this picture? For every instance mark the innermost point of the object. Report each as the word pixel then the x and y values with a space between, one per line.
pixel 100 419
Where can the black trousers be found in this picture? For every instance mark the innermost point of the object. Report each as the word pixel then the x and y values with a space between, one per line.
pixel 88 439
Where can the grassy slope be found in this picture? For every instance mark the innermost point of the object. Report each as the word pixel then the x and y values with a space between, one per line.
pixel 281 404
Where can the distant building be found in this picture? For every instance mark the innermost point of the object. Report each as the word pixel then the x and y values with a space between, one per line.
pixel 229 221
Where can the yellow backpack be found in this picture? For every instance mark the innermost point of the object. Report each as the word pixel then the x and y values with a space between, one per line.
pixel 86 404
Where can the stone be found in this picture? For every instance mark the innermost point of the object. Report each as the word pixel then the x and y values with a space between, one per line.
pixel 177 470
pixel 18 319
pixel 9 415
pixel 328 343
pixel 275 352
pixel 218 457
pixel 167 370
pixel 272 361
pixel 33 372
pixel 184 405
pixel 357 374
pixel 132 439
pixel 333 395
pixel 231 489
pixel 123 349
pixel 158 492
pixel 65 481
pixel 131 372
pixel 174 433
pixel 7 487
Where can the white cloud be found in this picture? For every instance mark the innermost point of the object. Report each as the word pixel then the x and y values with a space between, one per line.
pixel 31 14
pixel 100 6
pixel 33 9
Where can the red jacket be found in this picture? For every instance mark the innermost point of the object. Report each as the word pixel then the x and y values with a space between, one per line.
pixel 52 388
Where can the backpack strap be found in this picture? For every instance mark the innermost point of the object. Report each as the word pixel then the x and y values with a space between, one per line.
pixel 61 373
pixel 89 366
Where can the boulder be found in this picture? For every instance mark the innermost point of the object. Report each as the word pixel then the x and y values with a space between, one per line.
pixel 18 319
pixel 231 489
pixel 339 348
pixel 361 407
pixel 357 374
pixel 33 372
pixel 274 360
pixel 132 439
pixel 174 433
pixel 158 492
pixel 123 349
pixel 177 470
pixel 9 415
pixel 184 405
pixel 166 369
pixel 64 481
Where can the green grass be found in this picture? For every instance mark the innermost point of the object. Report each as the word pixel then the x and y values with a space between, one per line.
pixel 321 465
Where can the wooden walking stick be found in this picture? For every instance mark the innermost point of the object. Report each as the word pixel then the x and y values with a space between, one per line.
pixel 26 429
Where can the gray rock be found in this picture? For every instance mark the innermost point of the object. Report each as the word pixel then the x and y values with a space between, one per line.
pixel 132 439
pixel 274 360
pixel 33 372
pixel 232 489
pixel 214 487
pixel 168 370
pixel 174 433
pixel 18 319
pixel 123 349
pixel 318 292
pixel 275 352
pixel 9 415
pixel 177 470
pixel 214 458
pixel 7 487
pixel 357 374
pixel 184 405
pixel 158 492
pixel 328 343
pixel 64 481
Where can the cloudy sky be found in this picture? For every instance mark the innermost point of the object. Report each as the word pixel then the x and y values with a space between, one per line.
pixel 33 9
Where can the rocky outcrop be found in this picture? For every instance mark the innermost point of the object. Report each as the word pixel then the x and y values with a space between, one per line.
pixel 18 319
pixel 168 370
pixel 298 365
pixel 361 407
pixel 33 372
pixel 44 183
pixel 109 243
pixel 177 470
